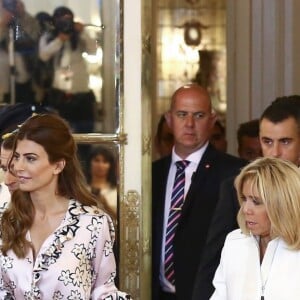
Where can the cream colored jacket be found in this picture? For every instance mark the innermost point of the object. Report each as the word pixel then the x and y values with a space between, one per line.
pixel 240 276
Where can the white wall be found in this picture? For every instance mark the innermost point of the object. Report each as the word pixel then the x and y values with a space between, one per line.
pixel 263 57
pixel 84 9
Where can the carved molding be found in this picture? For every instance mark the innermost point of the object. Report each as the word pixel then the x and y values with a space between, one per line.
pixel 96 138
pixel 146 43
pixel 131 243
pixel 147 145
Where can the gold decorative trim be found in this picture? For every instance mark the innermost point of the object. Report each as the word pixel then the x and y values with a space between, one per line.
pixel 146 43
pixel 131 243
pixel 147 144
pixel 96 138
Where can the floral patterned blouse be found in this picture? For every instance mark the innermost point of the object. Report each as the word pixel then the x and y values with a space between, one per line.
pixel 76 262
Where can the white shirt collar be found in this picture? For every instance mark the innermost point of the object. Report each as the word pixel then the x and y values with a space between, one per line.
pixel 194 157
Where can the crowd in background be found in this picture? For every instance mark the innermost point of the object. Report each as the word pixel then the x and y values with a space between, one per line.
pixel 42 63
pixel 198 203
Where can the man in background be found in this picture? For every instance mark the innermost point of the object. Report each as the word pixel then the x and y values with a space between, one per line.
pixel 218 137
pixel 10 182
pixel 249 146
pixel 182 212
pixel 164 139
pixel 280 129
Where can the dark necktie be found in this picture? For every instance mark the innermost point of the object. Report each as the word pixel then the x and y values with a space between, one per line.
pixel 177 199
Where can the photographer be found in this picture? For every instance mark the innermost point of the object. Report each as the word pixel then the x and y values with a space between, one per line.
pixel 62 49
pixel 18 64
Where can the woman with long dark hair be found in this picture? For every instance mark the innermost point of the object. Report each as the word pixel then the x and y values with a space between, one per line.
pixel 55 242
pixel 102 178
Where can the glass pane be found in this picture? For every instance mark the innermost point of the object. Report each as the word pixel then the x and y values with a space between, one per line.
pixel 68 60
pixel 101 166
pixel 191 47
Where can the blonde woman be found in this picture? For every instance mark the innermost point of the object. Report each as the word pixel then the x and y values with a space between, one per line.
pixel 261 260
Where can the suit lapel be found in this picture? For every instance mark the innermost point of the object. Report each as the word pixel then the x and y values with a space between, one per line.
pixel 161 181
pixel 205 166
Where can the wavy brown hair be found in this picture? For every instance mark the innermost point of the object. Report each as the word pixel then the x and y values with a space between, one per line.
pixel 54 135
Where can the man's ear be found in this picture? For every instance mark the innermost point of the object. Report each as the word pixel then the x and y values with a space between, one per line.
pixel 214 118
pixel 168 118
pixel 59 166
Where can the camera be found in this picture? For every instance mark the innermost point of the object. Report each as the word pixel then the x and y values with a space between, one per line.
pixel 10 5
pixel 65 25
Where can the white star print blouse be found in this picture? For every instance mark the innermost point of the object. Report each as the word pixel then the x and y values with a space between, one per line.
pixel 76 262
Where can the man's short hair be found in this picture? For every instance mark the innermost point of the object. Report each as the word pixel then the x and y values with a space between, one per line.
pixel 160 125
pixel 220 126
pixel 250 129
pixel 282 108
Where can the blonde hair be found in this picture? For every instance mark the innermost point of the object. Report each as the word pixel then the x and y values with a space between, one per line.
pixel 277 183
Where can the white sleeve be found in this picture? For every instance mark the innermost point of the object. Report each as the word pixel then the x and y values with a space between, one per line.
pixel 219 280
pixel 48 49
pixel 105 265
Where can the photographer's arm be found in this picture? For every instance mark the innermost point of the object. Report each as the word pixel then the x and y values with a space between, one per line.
pixel 48 49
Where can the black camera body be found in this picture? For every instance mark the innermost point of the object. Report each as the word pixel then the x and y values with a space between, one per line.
pixel 65 25
pixel 10 5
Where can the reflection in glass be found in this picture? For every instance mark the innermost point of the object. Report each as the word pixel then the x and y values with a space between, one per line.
pixel 187 32
pixel 101 167
pixel 102 177
pixel 101 23
pixel 39 68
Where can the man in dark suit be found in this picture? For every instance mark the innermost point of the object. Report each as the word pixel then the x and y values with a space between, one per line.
pixel 279 134
pixel 191 119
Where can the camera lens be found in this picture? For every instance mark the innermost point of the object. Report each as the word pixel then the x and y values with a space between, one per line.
pixel 65 25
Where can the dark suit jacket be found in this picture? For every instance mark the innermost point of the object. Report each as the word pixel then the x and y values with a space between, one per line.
pixel 224 221
pixel 198 208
